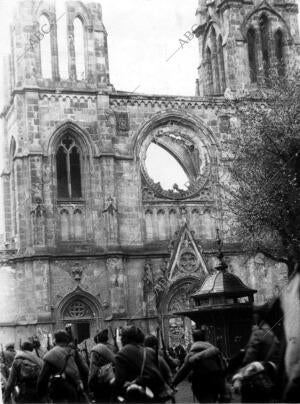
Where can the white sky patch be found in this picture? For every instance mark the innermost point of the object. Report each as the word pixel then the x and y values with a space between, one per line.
pixel 164 168
pixel 79 49
pixel 45 46
pixel 62 44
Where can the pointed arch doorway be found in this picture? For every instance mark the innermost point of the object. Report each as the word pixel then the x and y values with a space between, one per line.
pixel 178 329
pixel 83 311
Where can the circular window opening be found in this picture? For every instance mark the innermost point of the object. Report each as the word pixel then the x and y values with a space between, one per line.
pixel 162 167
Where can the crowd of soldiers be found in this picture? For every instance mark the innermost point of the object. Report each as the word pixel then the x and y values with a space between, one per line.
pixel 140 371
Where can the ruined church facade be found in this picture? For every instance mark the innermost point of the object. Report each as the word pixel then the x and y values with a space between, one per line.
pixel 90 238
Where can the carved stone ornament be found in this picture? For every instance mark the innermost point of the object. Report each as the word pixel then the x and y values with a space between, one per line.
pixel 188 262
pixel 74 269
pixel 77 309
pixel 77 272
pixel 110 206
pixel 148 277
pixel 38 210
pixel 110 118
pixel 122 121
pixel 181 301
pixel 186 258
pixel 149 293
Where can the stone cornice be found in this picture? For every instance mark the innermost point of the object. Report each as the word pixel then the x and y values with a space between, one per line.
pixel 50 92
pixel 121 98
pixel 166 101
pixel 152 250
pixel 15 324
pixel 287 6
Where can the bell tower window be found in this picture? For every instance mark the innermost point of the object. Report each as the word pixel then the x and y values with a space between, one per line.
pixel 68 169
pixel 264 34
pixel 221 64
pixel 251 39
pixel 79 48
pixel 209 73
pixel 45 47
pixel 279 52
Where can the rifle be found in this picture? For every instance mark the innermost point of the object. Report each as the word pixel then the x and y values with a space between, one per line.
pixel 2 353
pixel 48 342
pixel 163 346
pixel 166 357
pixel 114 337
pixel 6 369
pixel 86 354
pixel 165 352
pixel 157 346
pixel 68 328
pixel 20 342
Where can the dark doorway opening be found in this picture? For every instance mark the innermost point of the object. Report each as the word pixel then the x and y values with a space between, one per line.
pixel 82 331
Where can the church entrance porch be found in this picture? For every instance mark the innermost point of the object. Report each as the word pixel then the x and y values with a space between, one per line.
pixel 177 329
pixel 82 311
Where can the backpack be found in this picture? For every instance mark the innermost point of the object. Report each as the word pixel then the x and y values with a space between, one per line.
pixel 29 371
pixel 60 387
pixel 105 374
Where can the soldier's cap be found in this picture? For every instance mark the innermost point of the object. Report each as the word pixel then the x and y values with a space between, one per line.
pixel 101 336
pixel 10 345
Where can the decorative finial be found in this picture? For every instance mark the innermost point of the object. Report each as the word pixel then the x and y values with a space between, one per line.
pixel 197 89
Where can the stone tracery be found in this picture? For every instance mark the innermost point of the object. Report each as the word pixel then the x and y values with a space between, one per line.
pixel 188 149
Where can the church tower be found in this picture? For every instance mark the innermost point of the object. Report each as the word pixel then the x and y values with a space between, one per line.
pixel 35 57
pixel 242 41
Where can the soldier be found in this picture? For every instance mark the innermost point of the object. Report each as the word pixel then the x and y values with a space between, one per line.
pixel 137 375
pixel 101 372
pixel 61 372
pixel 151 341
pixel 24 375
pixel 205 367
pixel 7 357
pixel 37 347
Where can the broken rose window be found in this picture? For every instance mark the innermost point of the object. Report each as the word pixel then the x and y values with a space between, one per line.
pixel 175 163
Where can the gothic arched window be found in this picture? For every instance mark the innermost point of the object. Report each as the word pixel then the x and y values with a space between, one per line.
pixel 221 64
pixel 279 51
pixel 68 169
pixel 215 62
pixel 79 48
pixel 264 34
pixel 251 39
pixel 209 72
pixel 45 47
